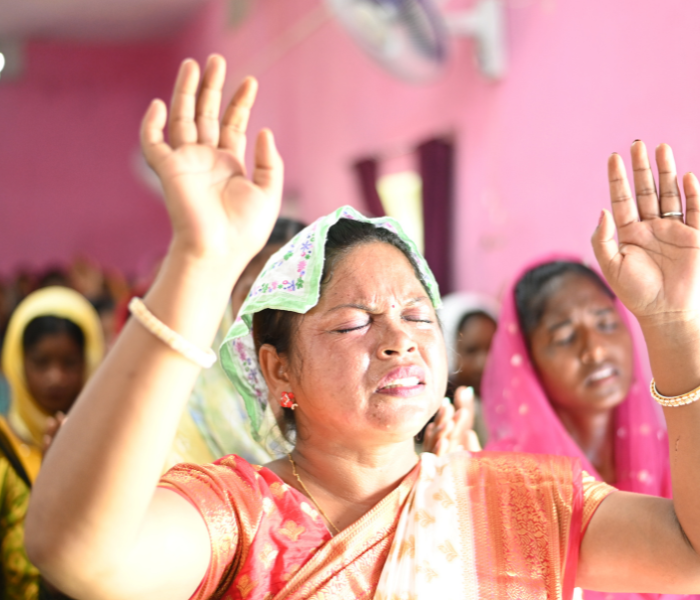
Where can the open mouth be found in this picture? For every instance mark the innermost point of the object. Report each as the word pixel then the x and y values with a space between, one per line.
pixel 601 375
pixel 403 381
pixel 406 382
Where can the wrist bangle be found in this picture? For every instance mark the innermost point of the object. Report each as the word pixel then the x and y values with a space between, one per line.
pixel 672 401
pixel 203 358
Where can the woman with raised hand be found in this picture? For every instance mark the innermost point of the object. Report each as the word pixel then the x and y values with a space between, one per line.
pixel 343 323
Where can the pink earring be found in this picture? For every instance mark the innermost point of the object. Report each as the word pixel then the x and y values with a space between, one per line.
pixel 287 400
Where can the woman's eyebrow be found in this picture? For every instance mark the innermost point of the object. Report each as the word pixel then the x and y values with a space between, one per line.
pixel 595 311
pixel 558 325
pixel 374 309
pixel 356 306
pixel 418 300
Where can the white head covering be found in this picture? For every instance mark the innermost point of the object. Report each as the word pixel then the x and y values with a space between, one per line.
pixel 454 308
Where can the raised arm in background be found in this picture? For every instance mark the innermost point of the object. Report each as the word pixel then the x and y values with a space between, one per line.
pixel 638 543
pixel 97 526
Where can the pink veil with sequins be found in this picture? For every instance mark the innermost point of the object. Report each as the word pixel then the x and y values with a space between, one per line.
pixel 519 416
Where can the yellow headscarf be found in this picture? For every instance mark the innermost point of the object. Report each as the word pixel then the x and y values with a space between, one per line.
pixel 26 418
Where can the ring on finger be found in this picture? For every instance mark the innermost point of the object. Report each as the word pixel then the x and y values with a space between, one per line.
pixel 672 214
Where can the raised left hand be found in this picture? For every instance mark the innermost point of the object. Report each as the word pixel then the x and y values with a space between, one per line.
pixel 654 266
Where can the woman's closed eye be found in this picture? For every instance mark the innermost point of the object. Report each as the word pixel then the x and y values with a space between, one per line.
pixel 608 325
pixel 348 327
pixel 564 337
pixel 418 317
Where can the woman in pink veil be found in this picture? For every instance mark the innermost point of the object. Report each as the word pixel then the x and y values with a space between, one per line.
pixel 520 416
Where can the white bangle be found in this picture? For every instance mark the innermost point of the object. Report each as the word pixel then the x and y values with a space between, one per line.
pixel 673 401
pixel 203 358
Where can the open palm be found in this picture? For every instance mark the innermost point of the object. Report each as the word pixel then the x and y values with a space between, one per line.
pixel 215 209
pixel 654 266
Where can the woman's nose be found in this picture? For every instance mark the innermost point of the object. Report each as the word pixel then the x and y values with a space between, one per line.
pixel 593 348
pixel 396 341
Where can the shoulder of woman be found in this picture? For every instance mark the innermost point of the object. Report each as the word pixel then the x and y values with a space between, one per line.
pixel 231 479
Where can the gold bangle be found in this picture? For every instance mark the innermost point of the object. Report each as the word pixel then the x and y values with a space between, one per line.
pixel 672 401
pixel 203 358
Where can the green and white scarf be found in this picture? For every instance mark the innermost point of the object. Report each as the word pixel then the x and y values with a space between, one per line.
pixel 291 280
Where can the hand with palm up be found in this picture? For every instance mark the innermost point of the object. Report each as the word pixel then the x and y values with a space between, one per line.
pixel 654 266
pixel 217 212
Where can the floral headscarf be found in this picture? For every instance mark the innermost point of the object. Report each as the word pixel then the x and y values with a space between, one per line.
pixel 291 280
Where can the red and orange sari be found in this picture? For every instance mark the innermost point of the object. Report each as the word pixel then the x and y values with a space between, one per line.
pixel 490 525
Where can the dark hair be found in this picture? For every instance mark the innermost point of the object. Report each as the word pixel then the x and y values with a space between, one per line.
pixel 472 314
pixel 54 276
pixel 276 327
pixel 535 287
pixel 103 304
pixel 284 230
pixel 40 327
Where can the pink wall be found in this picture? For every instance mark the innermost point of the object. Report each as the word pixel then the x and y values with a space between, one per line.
pixel 584 80
pixel 68 134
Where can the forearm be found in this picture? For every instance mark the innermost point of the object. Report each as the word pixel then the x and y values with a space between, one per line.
pixel 674 352
pixel 99 477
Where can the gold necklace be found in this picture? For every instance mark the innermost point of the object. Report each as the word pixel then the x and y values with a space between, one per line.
pixel 308 493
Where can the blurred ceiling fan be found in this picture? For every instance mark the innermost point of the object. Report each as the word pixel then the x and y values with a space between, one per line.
pixel 410 37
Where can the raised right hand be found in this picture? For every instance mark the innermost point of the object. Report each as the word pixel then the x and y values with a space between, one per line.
pixel 216 211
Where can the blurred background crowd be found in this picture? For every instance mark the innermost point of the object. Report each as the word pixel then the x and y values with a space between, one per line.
pixel 108 290
pixel 486 140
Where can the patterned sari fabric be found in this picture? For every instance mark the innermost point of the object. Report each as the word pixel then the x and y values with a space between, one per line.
pixel 19 579
pixel 485 526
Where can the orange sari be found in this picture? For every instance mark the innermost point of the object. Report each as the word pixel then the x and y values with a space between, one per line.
pixel 523 516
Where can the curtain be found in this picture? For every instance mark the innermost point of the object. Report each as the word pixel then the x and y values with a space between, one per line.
pixel 435 160
pixel 366 171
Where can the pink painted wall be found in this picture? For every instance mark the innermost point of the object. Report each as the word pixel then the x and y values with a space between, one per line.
pixel 68 134
pixel 584 80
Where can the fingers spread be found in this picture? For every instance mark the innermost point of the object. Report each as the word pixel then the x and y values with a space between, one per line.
pixel 269 169
pixel 644 184
pixel 605 247
pixel 235 122
pixel 691 187
pixel 152 142
pixel 624 208
pixel 182 128
pixel 209 101
pixel 669 194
